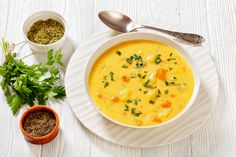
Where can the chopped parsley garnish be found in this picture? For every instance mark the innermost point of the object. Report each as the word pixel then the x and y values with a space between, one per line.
pixel 126 108
pixel 129 101
pixel 166 83
pixel 132 111
pixel 138 59
pixel 125 66
pixel 118 52
pixel 145 92
pixel 174 78
pixel 139 65
pixel 170 83
pixel 171 54
pixel 134 101
pixel 151 102
pixel 139 75
pixel 166 91
pixel 142 76
pixel 170 68
pixel 105 84
pixel 159 91
pixel 135 113
pixel 169 59
pixel 112 76
pixel 146 84
pixel 158 59
pixel 129 60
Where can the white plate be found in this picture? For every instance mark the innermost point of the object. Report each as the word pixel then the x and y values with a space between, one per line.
pixel 182 127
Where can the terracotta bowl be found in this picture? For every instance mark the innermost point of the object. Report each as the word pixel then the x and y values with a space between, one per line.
pixel 41 139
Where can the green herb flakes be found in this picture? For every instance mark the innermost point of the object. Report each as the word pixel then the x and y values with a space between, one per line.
pixel 151 102
pixel 146 84
pixel 129 60
pixel 125 66
pixel 112 76
pixel 166 91
pixel 158 59
pixel 135 113
pixel 118 52
pixel 126 108
pixel 166 83
pixel 138 59
pixel 134 101
pixel 105 84
pixel 145 92
pixel 39 32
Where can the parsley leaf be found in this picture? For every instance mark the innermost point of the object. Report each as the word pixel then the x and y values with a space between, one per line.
pixel 125 66
pixel 112 76
pixel 118 52
pixel 158 59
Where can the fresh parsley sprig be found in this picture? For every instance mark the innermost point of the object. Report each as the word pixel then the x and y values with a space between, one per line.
pixel 29 84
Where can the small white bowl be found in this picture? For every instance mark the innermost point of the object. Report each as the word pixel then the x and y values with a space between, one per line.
pixel 44 15
pixel 143 36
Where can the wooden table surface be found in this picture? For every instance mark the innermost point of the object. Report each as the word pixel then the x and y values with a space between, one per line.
pixel 214 19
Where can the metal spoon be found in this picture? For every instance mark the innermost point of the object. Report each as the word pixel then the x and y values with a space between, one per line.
pixel 123 23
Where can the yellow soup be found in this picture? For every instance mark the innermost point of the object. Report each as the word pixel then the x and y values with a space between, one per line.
pixel 141 83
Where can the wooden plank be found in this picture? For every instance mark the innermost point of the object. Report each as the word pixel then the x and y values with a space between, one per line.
pixel 217 136
pixel 12 142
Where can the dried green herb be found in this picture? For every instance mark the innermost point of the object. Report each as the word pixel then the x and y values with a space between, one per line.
pixel 46 32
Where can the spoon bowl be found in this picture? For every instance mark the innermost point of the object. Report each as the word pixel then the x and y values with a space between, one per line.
pixel 117 21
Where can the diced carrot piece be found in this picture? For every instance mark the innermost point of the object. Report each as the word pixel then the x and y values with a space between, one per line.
pixel 167 104
pixel 161 74
pixel 125 78
pixel 114 98
pixel 156 119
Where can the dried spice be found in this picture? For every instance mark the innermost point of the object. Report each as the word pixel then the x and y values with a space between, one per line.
pixel 39 123
pixel 46 32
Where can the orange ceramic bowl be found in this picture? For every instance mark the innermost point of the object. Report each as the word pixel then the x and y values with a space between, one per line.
pixel 41 139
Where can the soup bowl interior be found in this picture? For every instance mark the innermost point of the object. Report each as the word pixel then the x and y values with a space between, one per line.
pixel 142 36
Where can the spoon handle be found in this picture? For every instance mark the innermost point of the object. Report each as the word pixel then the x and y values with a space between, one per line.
pixel 189 37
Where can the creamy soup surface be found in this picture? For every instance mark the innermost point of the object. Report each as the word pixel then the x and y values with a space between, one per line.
pixel 141 83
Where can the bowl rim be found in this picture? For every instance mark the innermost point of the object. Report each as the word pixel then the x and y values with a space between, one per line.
pixel 182 52
pixel 45 12
pixel 35 109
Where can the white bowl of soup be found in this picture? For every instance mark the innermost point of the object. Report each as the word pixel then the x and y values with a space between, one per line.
pixel 141 80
